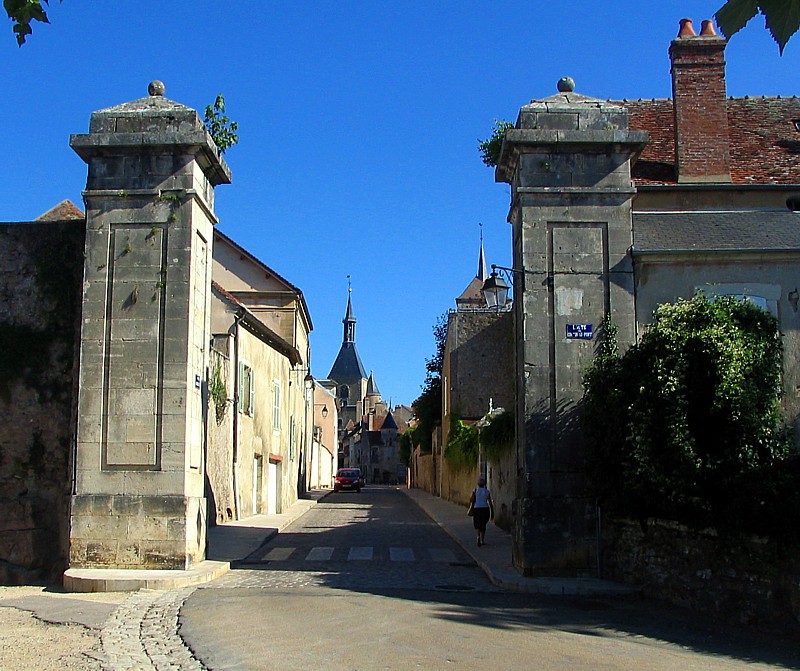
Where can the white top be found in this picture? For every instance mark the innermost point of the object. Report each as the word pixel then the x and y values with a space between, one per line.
pixel 481 497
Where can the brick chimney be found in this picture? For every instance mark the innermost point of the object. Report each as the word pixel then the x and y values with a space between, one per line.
pixel 702 139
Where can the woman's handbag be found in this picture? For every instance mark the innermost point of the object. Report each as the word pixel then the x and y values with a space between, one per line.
pixel 471 509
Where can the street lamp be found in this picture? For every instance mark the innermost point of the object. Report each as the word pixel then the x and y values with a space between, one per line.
pixel 495 289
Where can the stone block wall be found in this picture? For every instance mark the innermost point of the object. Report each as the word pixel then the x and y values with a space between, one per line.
pixel 41 265
pixel 751 582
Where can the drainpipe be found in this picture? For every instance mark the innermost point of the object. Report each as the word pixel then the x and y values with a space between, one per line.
pixel 236 496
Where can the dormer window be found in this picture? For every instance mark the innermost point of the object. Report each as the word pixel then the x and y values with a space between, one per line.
pixel 796 123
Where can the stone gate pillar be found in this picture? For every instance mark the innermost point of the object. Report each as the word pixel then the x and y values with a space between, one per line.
pixel 568 164
pixel 139 473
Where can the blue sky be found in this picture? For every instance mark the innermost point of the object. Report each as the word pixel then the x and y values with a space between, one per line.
pixel 359 124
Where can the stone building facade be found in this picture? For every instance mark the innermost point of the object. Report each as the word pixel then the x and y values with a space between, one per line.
pixel 110 457
pixel 616 207
pixel 367 439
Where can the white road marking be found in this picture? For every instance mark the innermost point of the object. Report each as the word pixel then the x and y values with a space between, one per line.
pixel 320 554
pixel 401 554
pixel 360 554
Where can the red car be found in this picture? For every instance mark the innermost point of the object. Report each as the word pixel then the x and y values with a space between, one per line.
pixel 347 478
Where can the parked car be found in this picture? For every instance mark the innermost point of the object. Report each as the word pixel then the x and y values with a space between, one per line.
pixel 347 478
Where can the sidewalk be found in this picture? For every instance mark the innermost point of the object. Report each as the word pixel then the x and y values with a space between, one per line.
pixel 495 556
pixel 227 543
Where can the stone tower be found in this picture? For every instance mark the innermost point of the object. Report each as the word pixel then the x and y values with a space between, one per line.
pixel 568 163
pixel 138 499
pixel 348 372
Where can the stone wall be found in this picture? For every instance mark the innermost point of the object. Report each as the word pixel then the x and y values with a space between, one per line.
pixel 40 289
pixel 752 582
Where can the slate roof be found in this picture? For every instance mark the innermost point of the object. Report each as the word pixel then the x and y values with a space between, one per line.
pixel 388 421
pixel 348 366
pixel 372 387
pixel 764 140
pixel 741 231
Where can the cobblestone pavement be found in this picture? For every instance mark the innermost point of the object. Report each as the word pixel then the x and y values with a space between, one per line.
pixel 369 542
pixel 142 634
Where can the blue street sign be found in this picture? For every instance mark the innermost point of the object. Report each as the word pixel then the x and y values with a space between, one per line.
pixel 579 331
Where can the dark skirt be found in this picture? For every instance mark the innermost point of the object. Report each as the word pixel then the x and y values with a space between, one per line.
pixel 480 519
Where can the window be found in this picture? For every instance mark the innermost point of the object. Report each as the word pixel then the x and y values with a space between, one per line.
pixel 246 389
pixel 276 406
pixel 765 296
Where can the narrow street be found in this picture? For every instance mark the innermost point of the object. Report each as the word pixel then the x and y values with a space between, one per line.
pixel 368 581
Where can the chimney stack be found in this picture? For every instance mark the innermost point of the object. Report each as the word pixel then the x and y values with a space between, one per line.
pixel 702 138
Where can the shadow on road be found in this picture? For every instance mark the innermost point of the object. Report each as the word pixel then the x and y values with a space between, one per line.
pixel 493 609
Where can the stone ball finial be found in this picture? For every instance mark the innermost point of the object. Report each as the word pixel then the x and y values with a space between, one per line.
pixel 156 88
pixel 566 85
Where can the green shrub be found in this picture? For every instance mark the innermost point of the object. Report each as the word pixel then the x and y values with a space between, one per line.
pixel 676 425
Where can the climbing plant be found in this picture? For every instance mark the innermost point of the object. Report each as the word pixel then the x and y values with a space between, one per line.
pixel 461 450
pixel 497 437
pixel 218 393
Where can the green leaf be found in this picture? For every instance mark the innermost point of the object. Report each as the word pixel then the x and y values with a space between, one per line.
pixel 734 15
pixel 783 19
pixel 22 12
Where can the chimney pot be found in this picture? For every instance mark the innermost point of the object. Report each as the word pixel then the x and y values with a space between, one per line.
pixel 707 29
pixel 702 134
pixel 686 29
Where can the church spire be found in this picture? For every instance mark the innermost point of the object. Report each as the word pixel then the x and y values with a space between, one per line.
pixel 482 274
pixel 349 320
pixel 348 367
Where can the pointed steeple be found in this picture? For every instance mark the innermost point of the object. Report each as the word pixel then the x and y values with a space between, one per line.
pixel 389 422
pixel 472 297
pixel 482 274
pixel 372 388
pixel 349 322
pixel 348 366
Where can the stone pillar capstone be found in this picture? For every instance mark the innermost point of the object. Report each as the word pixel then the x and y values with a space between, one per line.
pixel 138 494
pixel 568 163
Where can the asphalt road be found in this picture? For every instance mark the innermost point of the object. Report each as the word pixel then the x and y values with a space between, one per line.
pixel 367 581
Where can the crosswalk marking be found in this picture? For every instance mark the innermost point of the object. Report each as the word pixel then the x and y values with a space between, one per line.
pixel 363 553
pixel 320 554
pixel 401 554
pixel 359 554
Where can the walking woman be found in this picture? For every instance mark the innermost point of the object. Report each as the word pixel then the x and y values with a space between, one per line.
pixel 483 507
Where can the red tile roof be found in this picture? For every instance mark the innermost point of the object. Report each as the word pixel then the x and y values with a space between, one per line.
pixel 764 140
pixel 66 210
